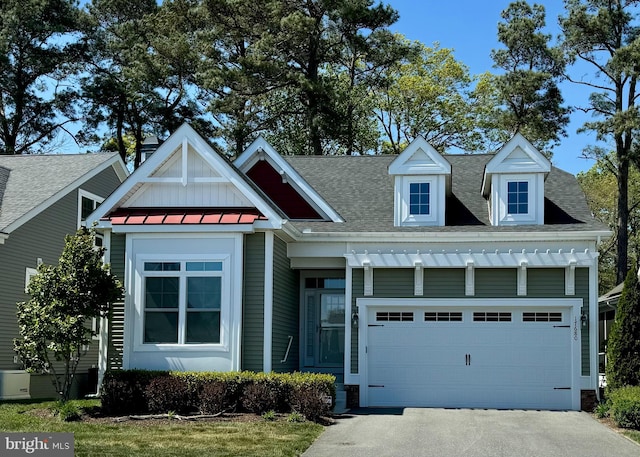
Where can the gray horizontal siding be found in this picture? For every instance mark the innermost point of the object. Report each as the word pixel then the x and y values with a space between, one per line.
pixel 496 282
pixel 102 184
pixel 116 319
pixel 286 310
pixel 545 282
pixel 582 291
pixel 444 283
pixel 41 237
pixel 253 303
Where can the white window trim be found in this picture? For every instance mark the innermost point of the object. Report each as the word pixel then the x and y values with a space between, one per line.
pixel 501 203
pixel 408 219
pixel 29 273
pixel 225 306
pixel 96 199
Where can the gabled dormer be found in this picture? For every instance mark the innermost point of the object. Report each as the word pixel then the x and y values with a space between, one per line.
pixel 422 180
pixel 513 183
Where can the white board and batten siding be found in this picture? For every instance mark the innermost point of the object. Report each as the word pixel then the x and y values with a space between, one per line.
pixel 197 184
pixel 506 354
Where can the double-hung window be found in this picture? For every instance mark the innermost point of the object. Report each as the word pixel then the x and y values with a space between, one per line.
pixel 419 203
pixel 518 197
pixel 182 302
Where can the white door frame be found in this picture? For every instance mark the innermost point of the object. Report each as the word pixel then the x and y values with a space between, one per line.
pixel 573 304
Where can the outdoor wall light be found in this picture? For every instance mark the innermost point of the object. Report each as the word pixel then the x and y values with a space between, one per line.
pixel 354 320
pixel 584 319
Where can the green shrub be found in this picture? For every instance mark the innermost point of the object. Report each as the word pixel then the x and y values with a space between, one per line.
pixel 168 393
pixel 259 397
pixel 295 417
pixel 625 407
pixel 602 410
pixel 140 391
pixel 66 411
pixel 123 391
pixel 214 398
pixel 270 415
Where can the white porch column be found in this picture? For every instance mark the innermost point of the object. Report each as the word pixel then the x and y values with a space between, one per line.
pixel 268 302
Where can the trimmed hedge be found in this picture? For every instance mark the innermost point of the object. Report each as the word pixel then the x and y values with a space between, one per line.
pixel 142 391
pixel 625 407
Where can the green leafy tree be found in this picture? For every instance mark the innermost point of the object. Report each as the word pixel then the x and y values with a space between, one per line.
pixel 140 80
pixel 236 77
pixel 39 49
pixel 600 186
pixel 603 34
pixel 623 345
pixel 427 94
pixel 527 97
pixel 283 64
pixel 55 323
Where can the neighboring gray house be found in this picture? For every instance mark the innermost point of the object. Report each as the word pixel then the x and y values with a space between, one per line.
pixel 607 306
pixel 418 280
pixel 42 199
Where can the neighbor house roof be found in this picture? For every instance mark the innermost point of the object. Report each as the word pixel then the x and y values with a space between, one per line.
pixel 361 190
pixel 29 183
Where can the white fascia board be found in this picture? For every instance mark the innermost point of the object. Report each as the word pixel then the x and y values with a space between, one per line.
pixel 438 164
pixel 170 146
pixel 260 146
pixel 458 237
pixel 496 165
pixel 543 165
pixel 115 161
pixel 184 228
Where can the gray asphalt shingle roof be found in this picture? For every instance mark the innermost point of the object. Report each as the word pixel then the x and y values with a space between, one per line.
pixel 360 189
pixel 26 181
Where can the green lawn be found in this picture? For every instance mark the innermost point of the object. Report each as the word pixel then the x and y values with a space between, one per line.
pixel 633 434
pixel 182 439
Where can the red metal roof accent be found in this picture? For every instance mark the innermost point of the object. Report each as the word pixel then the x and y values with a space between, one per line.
pixel 160 216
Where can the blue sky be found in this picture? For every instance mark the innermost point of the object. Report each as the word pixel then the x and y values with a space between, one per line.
pixel 470 28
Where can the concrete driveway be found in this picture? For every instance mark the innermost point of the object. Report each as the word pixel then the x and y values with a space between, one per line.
pixel 469 433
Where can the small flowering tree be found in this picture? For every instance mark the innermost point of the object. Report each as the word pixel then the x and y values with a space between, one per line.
pixel 55 323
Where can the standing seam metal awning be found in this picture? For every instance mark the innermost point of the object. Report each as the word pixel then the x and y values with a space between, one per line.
pixel 164 216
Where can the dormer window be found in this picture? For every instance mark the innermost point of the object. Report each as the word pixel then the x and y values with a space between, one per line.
pixel 517 197
pixel 422 179
pixel 513 184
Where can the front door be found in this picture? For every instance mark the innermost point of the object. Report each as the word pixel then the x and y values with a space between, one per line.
pixel 324 324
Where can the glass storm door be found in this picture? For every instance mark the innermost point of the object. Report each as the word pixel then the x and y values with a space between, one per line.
pixel 324 329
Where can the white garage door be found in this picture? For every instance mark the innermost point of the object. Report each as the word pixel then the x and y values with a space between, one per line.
pixel 474 358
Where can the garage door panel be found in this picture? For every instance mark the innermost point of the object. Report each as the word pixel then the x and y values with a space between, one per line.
pixel 511 364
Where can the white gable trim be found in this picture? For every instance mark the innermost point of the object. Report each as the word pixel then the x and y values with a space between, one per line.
pixel 260 149
pixel 420 158
pixel 118 166
pixel 178 143
pixel 518 155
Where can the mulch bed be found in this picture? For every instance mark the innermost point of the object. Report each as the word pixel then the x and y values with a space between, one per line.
pixel 94 415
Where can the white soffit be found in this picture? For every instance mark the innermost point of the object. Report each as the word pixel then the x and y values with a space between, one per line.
pixel 420 158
